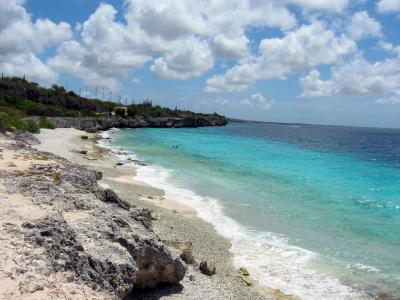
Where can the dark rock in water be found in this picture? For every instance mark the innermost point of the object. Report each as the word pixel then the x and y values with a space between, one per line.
pixel 187 255
pixel 207 269
pixel 84 152
pixel 119 163
pixel 84 137
pixel 92 130
pixel 138 162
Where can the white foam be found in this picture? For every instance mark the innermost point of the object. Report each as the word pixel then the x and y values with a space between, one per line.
pixel 269 257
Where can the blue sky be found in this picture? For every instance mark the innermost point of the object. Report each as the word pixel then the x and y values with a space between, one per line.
pixel 325 62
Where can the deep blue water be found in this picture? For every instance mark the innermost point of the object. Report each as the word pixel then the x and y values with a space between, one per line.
pixel 311 210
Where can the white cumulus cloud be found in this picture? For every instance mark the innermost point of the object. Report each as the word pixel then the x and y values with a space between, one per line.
pixel 299 50
pixel 357 78
pixel 388 6
pixel 22 40
pixel 258 102
pixel 362 25
pixel 336 6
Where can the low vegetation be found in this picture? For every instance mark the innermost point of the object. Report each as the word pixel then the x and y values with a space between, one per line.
pixel 21 99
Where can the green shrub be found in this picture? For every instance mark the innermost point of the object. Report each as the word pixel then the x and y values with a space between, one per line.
pixel 2 125
pixel 45 123
pixel 31 126
pixel 131 110
pixel 11 119
pixel 88 113
pixel 120 112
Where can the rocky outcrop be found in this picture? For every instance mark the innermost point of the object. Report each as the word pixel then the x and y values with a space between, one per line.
pixel 87 231
pixel 105 123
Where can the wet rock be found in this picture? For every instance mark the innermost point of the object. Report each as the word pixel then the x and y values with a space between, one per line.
pixel 84 137
pixel 84 152
pixel 92 130
pixel 137 162
pixel 207 268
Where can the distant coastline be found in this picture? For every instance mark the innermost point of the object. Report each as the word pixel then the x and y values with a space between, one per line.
pixel 27 106
pixel 237 120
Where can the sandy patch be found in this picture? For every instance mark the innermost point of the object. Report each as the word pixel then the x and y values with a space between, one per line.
pixel 75 215
pixel 60 141
pixel 127 179
pixel 171 204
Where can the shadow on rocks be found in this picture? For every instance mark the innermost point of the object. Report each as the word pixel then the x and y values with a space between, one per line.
pixel 162 290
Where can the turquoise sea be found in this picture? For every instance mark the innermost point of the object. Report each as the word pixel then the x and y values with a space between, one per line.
pixel 311 210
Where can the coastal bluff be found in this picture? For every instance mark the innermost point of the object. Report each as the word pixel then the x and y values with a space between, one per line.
pixel 26 106
pixel 100 124
pixel 64 233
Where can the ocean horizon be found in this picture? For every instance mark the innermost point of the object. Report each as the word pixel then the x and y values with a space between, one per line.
pixel 311 210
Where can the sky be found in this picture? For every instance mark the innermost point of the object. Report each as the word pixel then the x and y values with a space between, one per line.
pixel 308 61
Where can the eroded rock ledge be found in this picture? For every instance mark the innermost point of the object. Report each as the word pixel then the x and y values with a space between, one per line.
pixel 84 230
pixel 105 123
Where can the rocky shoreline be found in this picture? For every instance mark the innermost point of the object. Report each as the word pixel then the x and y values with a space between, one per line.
pixel 69 235
pixel 105 123
pixel 85 231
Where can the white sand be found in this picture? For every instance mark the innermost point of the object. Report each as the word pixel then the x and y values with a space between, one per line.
pixel 60 141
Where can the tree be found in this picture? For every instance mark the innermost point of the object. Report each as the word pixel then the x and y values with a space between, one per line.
pixel 132 110
pixel 120 112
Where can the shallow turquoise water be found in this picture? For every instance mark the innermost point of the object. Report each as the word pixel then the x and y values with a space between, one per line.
pixel 326 213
